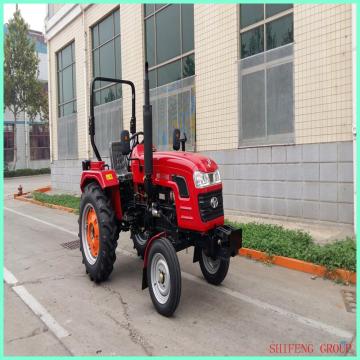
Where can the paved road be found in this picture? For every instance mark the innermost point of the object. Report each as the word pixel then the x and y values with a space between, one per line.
pixel 257 306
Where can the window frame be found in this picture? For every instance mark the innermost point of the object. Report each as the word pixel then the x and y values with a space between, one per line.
pixel 268 139
pixel 45 134
pixel 98 90
pixel 10 150
pixel 73 77
pixel 180 57
pixel 263 24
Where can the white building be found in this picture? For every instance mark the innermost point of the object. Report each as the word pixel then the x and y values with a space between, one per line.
pixel 33 140
pixel 265 90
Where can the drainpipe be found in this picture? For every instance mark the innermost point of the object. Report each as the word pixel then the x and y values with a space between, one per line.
pixel 353 37
pixel 85 80
pixel 26 141
pixel 51 123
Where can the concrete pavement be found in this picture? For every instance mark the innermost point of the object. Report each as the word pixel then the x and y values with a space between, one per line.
pixel 259 308
pixel 28 183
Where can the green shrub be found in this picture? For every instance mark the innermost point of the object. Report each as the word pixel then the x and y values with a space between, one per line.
pixel 25 172
pixel 69 201
pixel 276 240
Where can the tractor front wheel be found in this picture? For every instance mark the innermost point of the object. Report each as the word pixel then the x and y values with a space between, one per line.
pixel 164 277
pixel 214 270
pixel 98 233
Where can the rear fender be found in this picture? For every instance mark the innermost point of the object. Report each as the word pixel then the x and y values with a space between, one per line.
pixel 108 181
pixel 146 254
pixel 105 178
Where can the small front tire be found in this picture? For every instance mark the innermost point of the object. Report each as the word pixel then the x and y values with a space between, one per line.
pixel 164 277
pixel 214 270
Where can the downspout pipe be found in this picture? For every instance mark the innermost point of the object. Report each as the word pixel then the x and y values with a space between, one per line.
pixel 51 120
pixel 85 69
pixel 353 38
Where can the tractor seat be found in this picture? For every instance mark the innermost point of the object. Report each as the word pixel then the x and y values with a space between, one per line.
pixel 119 162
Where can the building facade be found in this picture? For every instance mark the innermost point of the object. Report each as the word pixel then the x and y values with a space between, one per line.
pixel 265 90
pixel 33 139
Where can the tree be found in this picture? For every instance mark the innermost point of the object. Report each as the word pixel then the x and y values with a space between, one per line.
pixel 189 68
pixel 21 85
pixel 38 103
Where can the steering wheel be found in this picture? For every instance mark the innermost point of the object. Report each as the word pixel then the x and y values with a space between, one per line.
pixel 135 139
pixel 136 135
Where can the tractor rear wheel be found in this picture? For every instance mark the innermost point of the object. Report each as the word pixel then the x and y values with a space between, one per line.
pixel 214 270
pixel 140 240
pixel 98 232
pixel 164 277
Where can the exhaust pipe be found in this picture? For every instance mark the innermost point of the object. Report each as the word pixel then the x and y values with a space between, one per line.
pixel 148 153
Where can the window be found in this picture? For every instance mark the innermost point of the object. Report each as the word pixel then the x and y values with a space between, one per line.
pixel 39 142
pixel 169 41
pixel 8 143
pixel 264 27
pixel 266 74
pixel 66 80
pixel 106 57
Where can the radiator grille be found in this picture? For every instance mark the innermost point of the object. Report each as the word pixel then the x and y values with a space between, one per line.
pixel 207 211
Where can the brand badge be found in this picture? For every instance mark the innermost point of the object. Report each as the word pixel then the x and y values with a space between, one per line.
pixel 214 202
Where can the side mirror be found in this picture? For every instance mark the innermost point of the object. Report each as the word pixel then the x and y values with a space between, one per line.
pixel 176 139
pixel 125 142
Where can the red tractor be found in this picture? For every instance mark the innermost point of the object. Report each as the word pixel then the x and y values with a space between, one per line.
pixel 168 200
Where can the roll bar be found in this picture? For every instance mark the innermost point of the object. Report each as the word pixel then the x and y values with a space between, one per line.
pixel 147 118
pixel 92 116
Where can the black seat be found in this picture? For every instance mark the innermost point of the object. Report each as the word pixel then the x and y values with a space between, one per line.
pixel 119 162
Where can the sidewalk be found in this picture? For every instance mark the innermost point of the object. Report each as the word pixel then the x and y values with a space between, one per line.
pixel 321 233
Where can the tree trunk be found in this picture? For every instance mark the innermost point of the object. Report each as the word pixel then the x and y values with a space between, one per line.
pixel 15 141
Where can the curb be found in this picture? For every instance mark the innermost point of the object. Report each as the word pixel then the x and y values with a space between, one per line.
pixel 36 202
pixel 300 265
pixel 52 206
pixel 289 263
pixel 44 189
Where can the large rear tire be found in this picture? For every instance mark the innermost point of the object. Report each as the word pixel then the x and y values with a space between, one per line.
pixel 214 270
pixel 164 277
pixel 98 233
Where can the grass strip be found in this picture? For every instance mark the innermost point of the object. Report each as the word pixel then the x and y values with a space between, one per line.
pixel 276 240
pixel 70 201
pixel 25 172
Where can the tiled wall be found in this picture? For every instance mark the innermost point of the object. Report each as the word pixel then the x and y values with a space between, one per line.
pixel 132 60
pixel 65 175
pixel 322 70
pixel 75 31
pixel 216 53
pixel 310 181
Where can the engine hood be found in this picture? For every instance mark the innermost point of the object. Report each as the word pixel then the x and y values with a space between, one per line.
pixel 179 159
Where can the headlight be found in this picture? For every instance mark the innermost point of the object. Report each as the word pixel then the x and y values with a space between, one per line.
pixel 201 179
pixel 217 178
pixel 205 179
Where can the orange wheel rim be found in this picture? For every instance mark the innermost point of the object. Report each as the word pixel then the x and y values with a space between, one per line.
pixel 92 232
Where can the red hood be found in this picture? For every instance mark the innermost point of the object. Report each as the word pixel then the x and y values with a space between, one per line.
pixel 193 161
